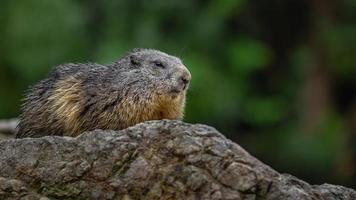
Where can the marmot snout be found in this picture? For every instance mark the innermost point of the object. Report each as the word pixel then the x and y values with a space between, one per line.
pixel 144 85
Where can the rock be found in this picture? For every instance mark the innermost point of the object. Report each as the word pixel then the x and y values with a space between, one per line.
pixel 152 160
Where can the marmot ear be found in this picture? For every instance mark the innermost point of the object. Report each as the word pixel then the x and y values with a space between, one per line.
pixel 134 59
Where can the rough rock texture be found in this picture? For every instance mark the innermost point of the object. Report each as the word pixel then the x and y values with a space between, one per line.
pixel 152 160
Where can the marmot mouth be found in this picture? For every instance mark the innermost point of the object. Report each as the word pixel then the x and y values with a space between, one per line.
pixel 179 89
pixel 176 91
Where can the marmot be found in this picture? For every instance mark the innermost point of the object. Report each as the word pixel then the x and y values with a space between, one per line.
pixel 146 84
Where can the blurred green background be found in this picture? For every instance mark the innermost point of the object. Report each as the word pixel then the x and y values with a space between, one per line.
pixel 278 77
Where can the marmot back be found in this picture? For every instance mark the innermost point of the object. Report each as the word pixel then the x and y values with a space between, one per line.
pixel 145 84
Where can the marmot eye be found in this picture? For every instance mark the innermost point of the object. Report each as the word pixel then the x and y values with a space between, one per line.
pixel 159 64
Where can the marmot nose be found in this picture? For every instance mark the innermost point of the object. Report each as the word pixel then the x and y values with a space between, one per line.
pixel 184 79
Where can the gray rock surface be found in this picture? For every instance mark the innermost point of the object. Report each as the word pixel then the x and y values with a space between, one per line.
pixel 152 160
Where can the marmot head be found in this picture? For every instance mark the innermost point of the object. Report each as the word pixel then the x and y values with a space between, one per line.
pixel 162 70
pixel 156 81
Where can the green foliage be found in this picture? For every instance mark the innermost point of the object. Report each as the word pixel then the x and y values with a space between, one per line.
pixel 247 56
pixel 36 33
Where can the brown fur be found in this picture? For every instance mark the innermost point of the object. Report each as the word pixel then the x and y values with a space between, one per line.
pixel 65 104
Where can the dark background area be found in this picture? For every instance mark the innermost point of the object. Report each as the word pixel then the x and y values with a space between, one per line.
pixel 278 77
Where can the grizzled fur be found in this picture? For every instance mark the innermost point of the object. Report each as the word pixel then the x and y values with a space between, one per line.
pixel 145 84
